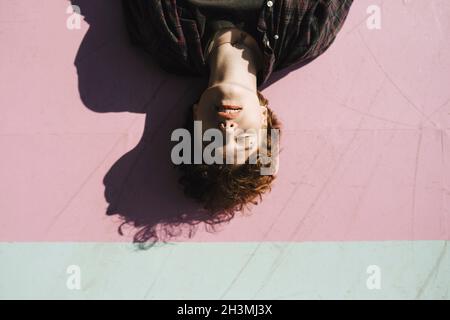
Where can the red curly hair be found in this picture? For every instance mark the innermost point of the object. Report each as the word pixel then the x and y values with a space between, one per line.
pixel 225 189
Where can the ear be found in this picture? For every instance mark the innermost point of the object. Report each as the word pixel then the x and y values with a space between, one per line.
pixel 195 111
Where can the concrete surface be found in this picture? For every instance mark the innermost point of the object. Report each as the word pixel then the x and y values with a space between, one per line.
pixel 365 165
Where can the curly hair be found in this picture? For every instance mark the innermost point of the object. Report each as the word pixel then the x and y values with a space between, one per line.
pixel 225 189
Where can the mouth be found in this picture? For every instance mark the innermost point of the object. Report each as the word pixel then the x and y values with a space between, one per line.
pixel 229 114
pixel 231 107
pixel 228 111
pixel 227 108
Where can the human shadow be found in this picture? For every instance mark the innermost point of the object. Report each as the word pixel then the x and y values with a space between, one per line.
pixel 142 186
pixel 114 76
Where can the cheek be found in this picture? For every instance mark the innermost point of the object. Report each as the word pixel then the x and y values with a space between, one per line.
pixel 201 112
pixel 206 116
pixel 252 121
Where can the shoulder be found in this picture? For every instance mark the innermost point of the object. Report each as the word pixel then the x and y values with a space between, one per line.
pixel 310 27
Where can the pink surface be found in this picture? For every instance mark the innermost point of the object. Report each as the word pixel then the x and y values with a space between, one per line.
pixel 85 121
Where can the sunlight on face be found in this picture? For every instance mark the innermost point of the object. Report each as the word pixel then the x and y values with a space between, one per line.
pixel 236 111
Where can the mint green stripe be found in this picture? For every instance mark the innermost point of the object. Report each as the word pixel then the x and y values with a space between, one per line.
pixel 272 270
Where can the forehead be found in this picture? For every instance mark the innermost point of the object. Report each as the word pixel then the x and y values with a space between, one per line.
pixel 235 156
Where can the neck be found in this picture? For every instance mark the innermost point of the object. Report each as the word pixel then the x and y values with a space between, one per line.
pixel 238 65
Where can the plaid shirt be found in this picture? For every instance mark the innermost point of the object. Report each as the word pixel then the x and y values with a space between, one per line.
pixel 289 32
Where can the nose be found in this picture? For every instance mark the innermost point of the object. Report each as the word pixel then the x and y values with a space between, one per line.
pixel 227 124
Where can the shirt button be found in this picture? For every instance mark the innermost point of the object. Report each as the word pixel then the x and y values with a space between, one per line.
pixel 276 37
pixel 269 3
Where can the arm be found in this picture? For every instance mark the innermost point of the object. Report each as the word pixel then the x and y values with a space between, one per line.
pixel 312 32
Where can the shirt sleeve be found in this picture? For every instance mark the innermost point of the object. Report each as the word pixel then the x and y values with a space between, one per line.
pixel 155 26
pixel 312 30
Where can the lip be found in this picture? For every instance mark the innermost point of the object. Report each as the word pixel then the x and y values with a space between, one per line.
pixel 230 107
pixel 229 116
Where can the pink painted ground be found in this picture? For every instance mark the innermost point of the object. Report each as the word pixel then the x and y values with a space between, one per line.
pixel 366 146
